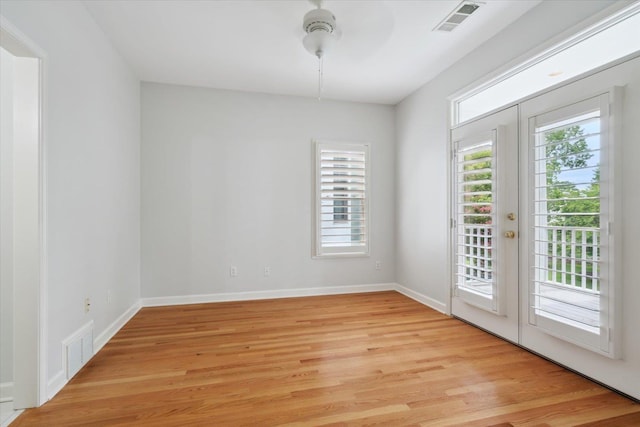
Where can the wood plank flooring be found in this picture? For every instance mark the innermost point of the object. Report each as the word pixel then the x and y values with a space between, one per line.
pixel 363 359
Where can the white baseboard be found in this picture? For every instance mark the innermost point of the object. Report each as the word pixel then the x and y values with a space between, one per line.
pixel 114 327
pixel 6 392
pixel 11 418
pixel 258 295
pixel 290 293
pixel 423 299
pixel 55 384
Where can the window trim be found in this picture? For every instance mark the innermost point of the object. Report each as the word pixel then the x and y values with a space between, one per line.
pixel 318 250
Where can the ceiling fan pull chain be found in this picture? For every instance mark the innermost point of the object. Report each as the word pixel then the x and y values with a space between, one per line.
pixel 320 75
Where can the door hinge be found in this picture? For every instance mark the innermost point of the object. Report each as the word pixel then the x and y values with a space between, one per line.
pixel 453 223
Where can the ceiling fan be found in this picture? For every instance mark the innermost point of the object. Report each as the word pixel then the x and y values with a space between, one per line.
pixel 320 26
pixel 366 34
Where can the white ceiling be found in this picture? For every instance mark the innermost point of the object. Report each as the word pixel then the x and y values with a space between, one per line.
pixel 386 51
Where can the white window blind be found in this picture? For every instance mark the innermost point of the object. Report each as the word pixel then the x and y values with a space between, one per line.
pixel 570 283
pixel 342 202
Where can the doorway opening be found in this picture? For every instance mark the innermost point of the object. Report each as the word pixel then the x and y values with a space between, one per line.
pixel 21 225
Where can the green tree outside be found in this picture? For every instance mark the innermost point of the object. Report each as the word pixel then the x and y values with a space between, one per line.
pixel 568 205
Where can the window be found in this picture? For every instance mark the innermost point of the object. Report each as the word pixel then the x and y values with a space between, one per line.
pixel 607 41
pixel 572 189
pixel 342 201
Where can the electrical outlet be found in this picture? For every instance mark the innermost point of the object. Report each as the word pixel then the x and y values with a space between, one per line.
pixel 267 271
pixel 378 265
pixel 233 271
pixel 87 305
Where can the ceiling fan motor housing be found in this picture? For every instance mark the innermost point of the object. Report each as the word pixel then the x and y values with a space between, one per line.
pixel 319 20
pixel 320 26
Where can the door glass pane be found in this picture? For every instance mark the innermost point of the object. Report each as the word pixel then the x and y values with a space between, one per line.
pixel 567 221
pixel 475 183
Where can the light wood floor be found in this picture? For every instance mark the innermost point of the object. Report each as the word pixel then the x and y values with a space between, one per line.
pixel 365 359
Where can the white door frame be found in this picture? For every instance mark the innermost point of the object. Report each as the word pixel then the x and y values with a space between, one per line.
pixel 30 368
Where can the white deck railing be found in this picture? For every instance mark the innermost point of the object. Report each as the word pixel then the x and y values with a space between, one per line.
pixel 567 273
pixel 568 256
pixel 475 257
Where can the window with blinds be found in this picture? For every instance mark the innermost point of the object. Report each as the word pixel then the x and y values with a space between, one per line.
pixel 570 223
pixel 475 180
pixel 342 201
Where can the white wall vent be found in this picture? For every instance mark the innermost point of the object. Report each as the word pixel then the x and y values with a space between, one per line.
pixel 78 349
pixel 457 16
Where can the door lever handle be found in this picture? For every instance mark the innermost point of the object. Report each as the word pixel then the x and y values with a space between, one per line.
pixel 510 234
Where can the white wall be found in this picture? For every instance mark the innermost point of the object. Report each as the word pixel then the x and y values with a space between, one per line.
pixel 6 220
pixel 422 156
pixel 226 180
pixel 93 163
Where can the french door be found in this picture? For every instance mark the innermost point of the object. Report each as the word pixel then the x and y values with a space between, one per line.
pixel 542 225
pixel 485 222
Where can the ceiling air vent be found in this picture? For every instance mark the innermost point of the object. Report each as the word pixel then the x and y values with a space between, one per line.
pixel 459 14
